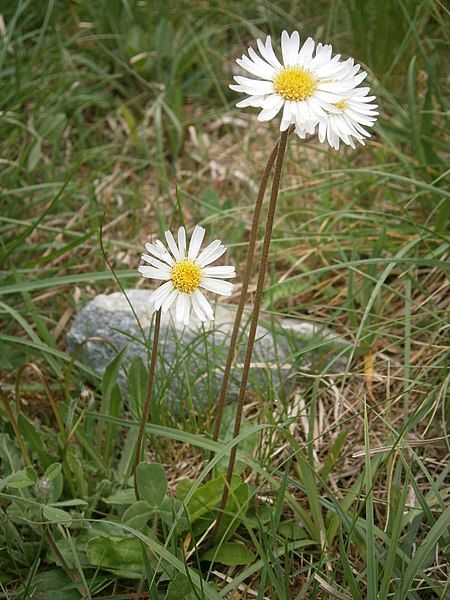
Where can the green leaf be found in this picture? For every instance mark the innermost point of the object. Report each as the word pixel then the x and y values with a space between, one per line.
pixel 247 446
pixel 183 488
pixel 151 481
pixel 181 587
pixel 168 512
pixel 53 471
pixel 334 453
pixel 426 547
pixel 110 375
pixel 11 457
pixel 137 515
pixel 34 155
pixel 71 502
pixel 137 385
pixel 205 501
pixel 125 466
pixel 53 126
pixel 56 515
pixel 78 471
pixel 22 479
pixel 110 403
pixel 122 555
pixel 230 554
pixel 292 531
pixel 121 497
pixel 54 584
pixel 35 441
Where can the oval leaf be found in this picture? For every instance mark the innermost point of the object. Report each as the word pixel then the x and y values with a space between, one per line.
pixel 122 555
pixel 151 482
pixel 137 515
pixel 56 515
pixel 229 553
pixel 22 479
pixel 53 471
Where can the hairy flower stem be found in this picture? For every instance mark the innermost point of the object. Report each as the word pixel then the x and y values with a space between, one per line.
pixel 148 399
pixel 244 289
pixel 254 321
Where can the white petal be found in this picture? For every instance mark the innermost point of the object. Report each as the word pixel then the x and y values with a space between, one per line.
pixel 286 118
pixel 268 53
pixel 269 113
pixel 159 251
pixel 211 253
pixel 196 241
pixel 187 310
pixel 305 54
pixel 255 85
pixel 289 48
pixel 160 294
pixel 169 301
pixel 224 288
pixel 256 65
pixel 294 47
pixel 204 304
pixel 182 241
pixel 153 273
pixel 262 64
pixel 222 272
pixel 172 245
pixel 161 291
pixel 323 96
pixel 251 100
pixel 180 307
pixel 322 131
pixel 271 101
pixel 197 309
pixel 358 118
pixel 154 261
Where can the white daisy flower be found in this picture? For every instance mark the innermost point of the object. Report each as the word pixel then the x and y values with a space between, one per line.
pixel 300 85
pixel 185 270
pixel 354 112
pixel 313 88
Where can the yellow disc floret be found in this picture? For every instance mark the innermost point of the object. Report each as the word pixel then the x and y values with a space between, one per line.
pixel 186 276
pixel 342 105
pixel 295 83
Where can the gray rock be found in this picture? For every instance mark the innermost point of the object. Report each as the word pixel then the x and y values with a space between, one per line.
pixel 191 359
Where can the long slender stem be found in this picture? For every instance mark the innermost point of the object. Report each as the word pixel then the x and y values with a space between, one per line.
pixel 254 321
pixel 244 289
pixel 148 398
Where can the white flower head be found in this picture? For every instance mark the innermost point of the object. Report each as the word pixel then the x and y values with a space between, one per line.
pixel 347 124
pixel 185 270
pixel 310 86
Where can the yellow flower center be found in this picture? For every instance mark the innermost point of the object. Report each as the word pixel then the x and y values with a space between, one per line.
pixel 295 83
pixel 342 105
pixel 186 276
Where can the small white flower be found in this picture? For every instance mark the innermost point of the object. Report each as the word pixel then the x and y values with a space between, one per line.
pixel 185 270
pixel 354 112
pixel 313 88
pixel 347 122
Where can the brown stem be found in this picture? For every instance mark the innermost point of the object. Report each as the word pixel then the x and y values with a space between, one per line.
pixel 244 289
pixel 148 398
pixel 254 321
